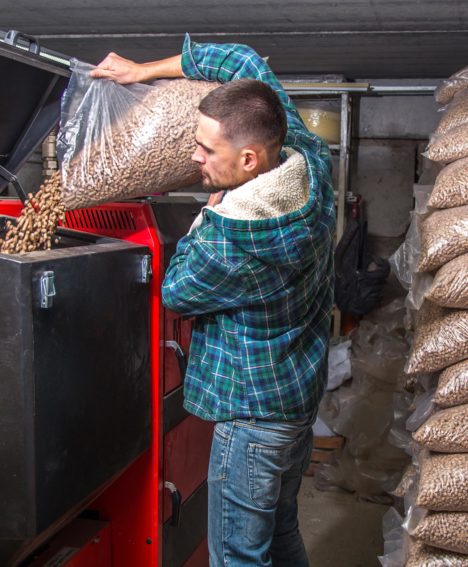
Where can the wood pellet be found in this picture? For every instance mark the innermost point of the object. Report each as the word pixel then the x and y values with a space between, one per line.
pixel 443 483
pixel 147 150
pixel 446 431
pixel 455 114
pixel 35 227
pixel 451 186
pixel 444 236
pixel 450 285
pixel 421 555
pixel 447 530
pixel 440 339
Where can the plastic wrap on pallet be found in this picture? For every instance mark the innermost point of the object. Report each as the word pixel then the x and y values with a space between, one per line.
pixel 367 408
pixel 404 262
pixel 339 363
pixel 394 540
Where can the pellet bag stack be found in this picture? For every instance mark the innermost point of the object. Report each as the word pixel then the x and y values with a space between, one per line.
pixel 436 499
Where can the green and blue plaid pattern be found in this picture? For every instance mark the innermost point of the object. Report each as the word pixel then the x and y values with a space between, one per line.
pixel 262 289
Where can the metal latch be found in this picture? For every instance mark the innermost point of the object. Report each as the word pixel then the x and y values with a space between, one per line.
pixel 47 283
pixel 146 271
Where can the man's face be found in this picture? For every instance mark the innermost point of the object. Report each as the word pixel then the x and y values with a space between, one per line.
pixel 220 162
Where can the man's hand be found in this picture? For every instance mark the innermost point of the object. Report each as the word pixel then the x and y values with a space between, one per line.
pixel 118 69
pixel 215 198
pixel 125 71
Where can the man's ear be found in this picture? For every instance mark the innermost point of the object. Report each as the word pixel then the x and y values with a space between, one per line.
pixel 249 159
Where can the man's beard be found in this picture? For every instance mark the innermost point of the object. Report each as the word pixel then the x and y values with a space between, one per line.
pixel 208 187
pixel 211 187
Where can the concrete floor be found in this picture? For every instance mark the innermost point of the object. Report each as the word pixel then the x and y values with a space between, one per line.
pixel 338 530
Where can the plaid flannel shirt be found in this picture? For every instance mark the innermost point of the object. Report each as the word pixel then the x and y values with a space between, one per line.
pixel 262 290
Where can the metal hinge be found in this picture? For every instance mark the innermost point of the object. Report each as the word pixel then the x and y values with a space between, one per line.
pixel 47 285
pixel 146 271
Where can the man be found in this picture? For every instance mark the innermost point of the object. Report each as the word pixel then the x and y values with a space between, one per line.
pixel 257 270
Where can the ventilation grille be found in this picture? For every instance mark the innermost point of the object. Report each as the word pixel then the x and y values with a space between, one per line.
pixel 102 219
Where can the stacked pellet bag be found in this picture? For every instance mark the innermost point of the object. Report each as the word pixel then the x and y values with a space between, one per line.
pixel 115 142
pixel 436 500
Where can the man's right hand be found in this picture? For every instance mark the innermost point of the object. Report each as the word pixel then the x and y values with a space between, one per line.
pixel 125 71
pixel 118 69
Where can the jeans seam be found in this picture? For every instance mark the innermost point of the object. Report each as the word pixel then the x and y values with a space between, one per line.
pixel 223 543
pixel 223 488
pixel 263 428
pixel 228 440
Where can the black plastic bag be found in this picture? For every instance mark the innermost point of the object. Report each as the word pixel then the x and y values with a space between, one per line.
pixel 359 277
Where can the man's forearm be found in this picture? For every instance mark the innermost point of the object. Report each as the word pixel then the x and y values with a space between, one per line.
pixel 164 69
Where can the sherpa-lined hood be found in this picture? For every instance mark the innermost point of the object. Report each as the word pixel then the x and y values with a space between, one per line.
pixel 279 191
pixel 274 208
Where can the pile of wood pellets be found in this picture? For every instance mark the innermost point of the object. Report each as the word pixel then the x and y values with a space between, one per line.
pixel 36 226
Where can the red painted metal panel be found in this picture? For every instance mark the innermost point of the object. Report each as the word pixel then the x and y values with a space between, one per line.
pixel 177 330
pixel 10 207
pixel 199 557
pixel 132 503
pixel 186 456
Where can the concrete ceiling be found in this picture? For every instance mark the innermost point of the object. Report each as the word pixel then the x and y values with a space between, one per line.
pixel 355 38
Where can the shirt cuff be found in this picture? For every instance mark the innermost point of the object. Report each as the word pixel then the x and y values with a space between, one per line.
pixel 189 67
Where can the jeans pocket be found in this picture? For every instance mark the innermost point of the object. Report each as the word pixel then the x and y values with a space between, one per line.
pixel 219 454
pixel 222 430
pixel 266 465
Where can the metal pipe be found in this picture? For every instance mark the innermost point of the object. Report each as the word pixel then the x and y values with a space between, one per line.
pixel 369 90
pixel 246 34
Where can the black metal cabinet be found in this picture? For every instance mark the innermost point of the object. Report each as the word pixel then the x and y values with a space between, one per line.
pixel 75 401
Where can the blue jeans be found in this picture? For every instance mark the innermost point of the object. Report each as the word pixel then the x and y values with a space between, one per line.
pixel 254 476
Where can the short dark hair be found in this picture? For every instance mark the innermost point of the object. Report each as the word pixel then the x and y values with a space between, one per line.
pixel 249 111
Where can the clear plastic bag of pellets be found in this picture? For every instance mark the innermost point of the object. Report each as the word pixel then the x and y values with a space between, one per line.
pixel 440 339
pixel 446 431
pixel 452 388
pixel 449 87
pixel 443 483
pixel 422 555
pixel 455 113
pixel 450 285
pixel 451 186
pixel 450 146
pixel 402 550
pixel 122 141
pixel 444 236
pixel 444 530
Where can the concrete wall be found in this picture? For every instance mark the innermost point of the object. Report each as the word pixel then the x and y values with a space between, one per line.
pixel 390 133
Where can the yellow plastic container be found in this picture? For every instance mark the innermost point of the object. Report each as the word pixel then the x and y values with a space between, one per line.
pixel 323 122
